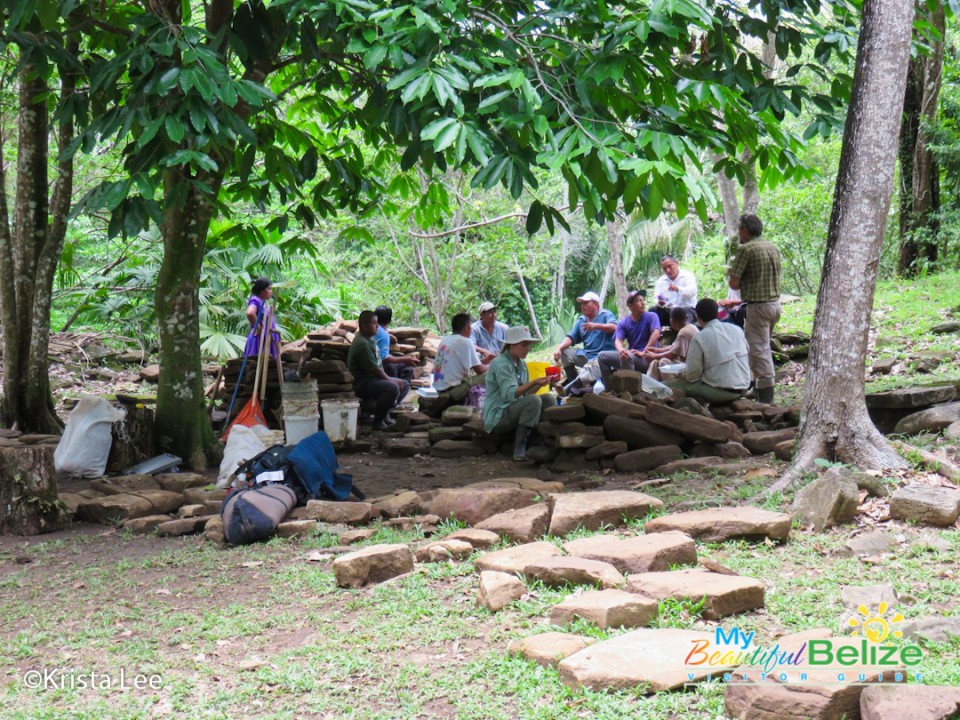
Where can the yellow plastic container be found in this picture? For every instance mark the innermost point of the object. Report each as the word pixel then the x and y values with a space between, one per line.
pixel 539 370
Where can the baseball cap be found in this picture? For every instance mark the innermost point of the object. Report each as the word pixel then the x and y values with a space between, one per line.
pixel 518 335
pixel 589 297
pixel 633 294
pixel 487 306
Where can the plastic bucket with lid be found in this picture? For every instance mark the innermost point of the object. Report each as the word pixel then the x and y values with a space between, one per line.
pixel 340 419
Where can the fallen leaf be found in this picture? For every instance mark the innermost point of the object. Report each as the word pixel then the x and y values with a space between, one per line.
pixel 252 564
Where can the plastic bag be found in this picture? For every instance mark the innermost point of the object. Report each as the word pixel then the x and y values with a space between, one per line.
pixel 244 443
pixel 85 445
pixel 655 388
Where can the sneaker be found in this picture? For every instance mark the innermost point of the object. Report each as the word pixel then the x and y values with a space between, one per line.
pixel 384 424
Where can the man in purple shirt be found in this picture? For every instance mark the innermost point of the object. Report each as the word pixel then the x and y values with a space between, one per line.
pixel 637 332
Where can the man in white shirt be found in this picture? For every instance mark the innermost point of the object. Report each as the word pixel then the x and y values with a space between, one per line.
pixel 456 357
pixel 675 288
pixel 718 365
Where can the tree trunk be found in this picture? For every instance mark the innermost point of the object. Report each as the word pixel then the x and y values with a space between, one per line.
pixel 919 174
pixel 526 296
pixel 835 425
pixel 28 259
pixel 615 238
pixel 28 491
pixel 182 425
pixel 727 189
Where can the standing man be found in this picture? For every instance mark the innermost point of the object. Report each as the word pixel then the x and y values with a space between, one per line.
pixel 636 334
pixel 456 357
pixel 755 272
pixel 594 328
pixel 396 366
pixel 370 381
pixel 675 288
pixel 488 333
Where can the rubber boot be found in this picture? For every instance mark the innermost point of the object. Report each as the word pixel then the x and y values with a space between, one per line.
pixel 765 395
pixel 520 442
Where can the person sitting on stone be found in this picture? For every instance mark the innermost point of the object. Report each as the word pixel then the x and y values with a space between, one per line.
pixel 732 308
pixel 594 328
pixel 675 288
pixel 718 366
pixel 370 382
pixel 512 403
pixel 456 357
pixel 396 366
pixel 636 333
pixel 675 352
pixel 488 333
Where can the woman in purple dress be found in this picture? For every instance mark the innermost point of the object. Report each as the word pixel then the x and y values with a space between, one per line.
pixel 260 293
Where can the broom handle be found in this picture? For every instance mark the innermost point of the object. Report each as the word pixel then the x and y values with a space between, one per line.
pixel 256 376
pixel 279 362
pixel 265 350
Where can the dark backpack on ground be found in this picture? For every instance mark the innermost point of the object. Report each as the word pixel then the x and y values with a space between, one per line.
pixel 253 514
pixel 318 472
pixel 275 457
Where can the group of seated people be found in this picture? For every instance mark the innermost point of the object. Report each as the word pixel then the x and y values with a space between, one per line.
pixel 487 353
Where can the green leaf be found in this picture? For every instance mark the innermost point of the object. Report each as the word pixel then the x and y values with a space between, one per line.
pixel 534 217
pixel 432 130
pixel 174 127
pixel 446 137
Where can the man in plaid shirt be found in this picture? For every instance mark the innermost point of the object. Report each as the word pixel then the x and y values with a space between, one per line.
pixel 756 274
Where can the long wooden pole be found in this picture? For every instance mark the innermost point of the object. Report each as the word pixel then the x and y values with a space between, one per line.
pixel 256 376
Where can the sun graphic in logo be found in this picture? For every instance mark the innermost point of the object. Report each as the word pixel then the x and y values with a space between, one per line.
pixel 877 628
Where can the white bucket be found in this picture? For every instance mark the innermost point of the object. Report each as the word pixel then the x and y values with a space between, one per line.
pixel 299 428
pixel 300 398
pixel 340 419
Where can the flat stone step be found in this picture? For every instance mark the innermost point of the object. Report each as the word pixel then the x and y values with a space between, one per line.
pixel 516 559
pixel 643 553
pixel 561 571
pixel 722 594
pixel 592 510
pixel 606 609
pixel 653 659
pixel 719 524
pixel 522 525
pixel 549 648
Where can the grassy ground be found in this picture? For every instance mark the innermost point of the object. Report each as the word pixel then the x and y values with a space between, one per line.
pixel 262 631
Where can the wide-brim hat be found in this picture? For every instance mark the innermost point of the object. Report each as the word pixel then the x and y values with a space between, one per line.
pixel 487 306
pixel 518 335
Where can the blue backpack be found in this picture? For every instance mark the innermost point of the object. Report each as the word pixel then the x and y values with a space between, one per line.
pixel 315 464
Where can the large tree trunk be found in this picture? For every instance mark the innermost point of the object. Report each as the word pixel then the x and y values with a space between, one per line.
pixel 28 259
pixel 919 175
pixel 182 425
pixel 835 424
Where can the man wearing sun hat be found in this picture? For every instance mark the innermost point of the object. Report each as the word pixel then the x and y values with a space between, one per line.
pixel 594 329
pixel 488 333
pixel 512 402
